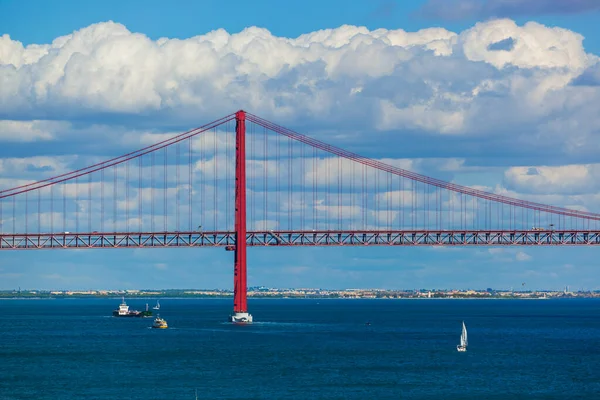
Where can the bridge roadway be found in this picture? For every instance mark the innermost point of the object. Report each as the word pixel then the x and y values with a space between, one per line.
pixel 226 239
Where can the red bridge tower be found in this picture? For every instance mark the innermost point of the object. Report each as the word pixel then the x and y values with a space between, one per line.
pixel 240 287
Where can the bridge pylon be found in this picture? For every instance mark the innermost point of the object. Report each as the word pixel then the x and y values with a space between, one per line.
pixel 240 286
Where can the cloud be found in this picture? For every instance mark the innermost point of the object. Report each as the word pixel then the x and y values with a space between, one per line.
pixel 506 255
pixel 589 77
pixel 454 10
pixel 496 88
pixel 432 80
pixel 531 46
pixel 17 171
pixel 566 179
pixel 582 202
pixel 29 131
pixel 522 256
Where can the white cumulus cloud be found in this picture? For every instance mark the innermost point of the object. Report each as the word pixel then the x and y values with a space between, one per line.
pixel 564 179
pixel 28 131
pixel 432 80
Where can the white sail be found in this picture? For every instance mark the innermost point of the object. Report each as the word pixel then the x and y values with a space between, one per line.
pixel 463 337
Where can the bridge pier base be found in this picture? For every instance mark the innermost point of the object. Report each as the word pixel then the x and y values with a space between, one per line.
pixel 240 286
pixel 241 318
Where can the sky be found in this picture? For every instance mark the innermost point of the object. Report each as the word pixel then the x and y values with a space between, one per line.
pixel 497 94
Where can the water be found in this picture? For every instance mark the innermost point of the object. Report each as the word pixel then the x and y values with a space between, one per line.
pixel 304 349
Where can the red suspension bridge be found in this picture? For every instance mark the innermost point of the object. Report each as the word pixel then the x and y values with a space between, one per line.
pixel 201 188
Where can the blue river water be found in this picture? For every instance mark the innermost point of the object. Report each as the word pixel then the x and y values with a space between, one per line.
pixel 301 349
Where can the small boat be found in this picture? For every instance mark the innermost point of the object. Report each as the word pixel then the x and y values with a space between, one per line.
pixel 124 311
pixel 146 313
pixel 160 323
pixel 463 339
pixel 157 306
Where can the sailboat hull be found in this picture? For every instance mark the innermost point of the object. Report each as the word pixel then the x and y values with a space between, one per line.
pixel 460 348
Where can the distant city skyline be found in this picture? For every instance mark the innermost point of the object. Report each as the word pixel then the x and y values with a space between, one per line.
pixel 304 293
pixel 156 291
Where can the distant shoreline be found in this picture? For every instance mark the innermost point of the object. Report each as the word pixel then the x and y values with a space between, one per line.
pixel 133 299
pixel 261 292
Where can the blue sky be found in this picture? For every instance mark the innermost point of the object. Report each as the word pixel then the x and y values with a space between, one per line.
pixel 31 21
pixel 479 101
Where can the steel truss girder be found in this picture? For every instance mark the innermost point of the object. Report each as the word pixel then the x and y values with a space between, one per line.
pixel 112 240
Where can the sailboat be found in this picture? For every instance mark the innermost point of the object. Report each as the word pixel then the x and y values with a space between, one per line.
pixel 157 306
pixel 463 339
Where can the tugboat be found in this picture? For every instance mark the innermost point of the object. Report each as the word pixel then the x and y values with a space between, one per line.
pixel 160 323
pixel 124 311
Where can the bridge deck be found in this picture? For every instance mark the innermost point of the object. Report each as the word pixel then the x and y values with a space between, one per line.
pixel 104 240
